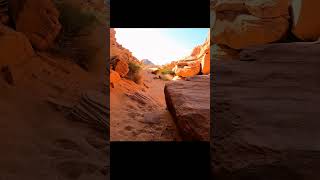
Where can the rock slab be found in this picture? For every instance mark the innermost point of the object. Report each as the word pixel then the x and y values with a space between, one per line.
pixel 189 103
pixel 265 109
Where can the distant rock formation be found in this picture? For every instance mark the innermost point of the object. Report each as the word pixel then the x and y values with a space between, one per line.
pixel 147 62
pixel 189 102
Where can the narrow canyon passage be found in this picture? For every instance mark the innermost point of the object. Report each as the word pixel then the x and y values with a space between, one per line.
pixel 139 112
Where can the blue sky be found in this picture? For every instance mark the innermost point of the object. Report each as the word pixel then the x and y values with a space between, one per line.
pixel 161 45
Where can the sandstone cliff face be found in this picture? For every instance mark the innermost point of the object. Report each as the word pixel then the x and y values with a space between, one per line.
pixel 198 62
pixel 120 57
pixel 118 51
pixel 238 24
pixel 38 20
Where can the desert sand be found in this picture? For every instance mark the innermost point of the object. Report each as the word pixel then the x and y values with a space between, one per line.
pixel 138 112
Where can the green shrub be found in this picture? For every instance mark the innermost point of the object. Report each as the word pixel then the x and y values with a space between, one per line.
pixel 167 71
pixel 74 19
pixel 76 26
pixel 134 68
pixel 135 72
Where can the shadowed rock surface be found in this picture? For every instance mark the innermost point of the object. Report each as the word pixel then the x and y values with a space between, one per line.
pixel 39 90
pixel 265 109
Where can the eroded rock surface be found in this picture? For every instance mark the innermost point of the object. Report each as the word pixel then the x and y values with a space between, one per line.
pixel 242 23
pixel 14 47
pixel 38 20
pixel 189 102
pixel 265 114
pixel 187 69
pixel 198 62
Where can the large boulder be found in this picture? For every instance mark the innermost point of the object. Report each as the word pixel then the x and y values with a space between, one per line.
pixel 306 25
pixel 189 103
pixel 38 20
pixel 242 23
pixel 205 63
pixel 14 47
pixel 265 110
pixel 187 69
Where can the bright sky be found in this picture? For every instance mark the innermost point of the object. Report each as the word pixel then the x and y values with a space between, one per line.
pixel 161 45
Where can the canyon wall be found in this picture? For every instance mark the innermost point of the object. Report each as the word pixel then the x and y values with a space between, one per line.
pixel 264 101
pixel 120 57
pixel 198 62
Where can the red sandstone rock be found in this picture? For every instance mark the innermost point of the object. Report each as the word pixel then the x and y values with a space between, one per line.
pixel 306 25
pixel 122 68
pixel 14 47
pixel 242 23
pixel 187 69
pixel 38 20
pixel 114 77
pixel 189 102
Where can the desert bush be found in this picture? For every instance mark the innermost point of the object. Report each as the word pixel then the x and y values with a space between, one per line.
pixel 167 71
pixel 134 73
pixel 76 28
pixel 73 19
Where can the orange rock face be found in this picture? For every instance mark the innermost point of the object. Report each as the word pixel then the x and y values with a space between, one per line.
pixel 14 47
pixel 242 23
pixel 198 61
pixel 196 51
pixel 117 50
pixel 122 68
pixel 187 69
pixel 205 64
pixel 114 77
pixel 38 20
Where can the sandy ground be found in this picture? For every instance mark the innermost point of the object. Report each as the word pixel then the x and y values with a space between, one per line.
pixel 143 116
pixel 40 142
